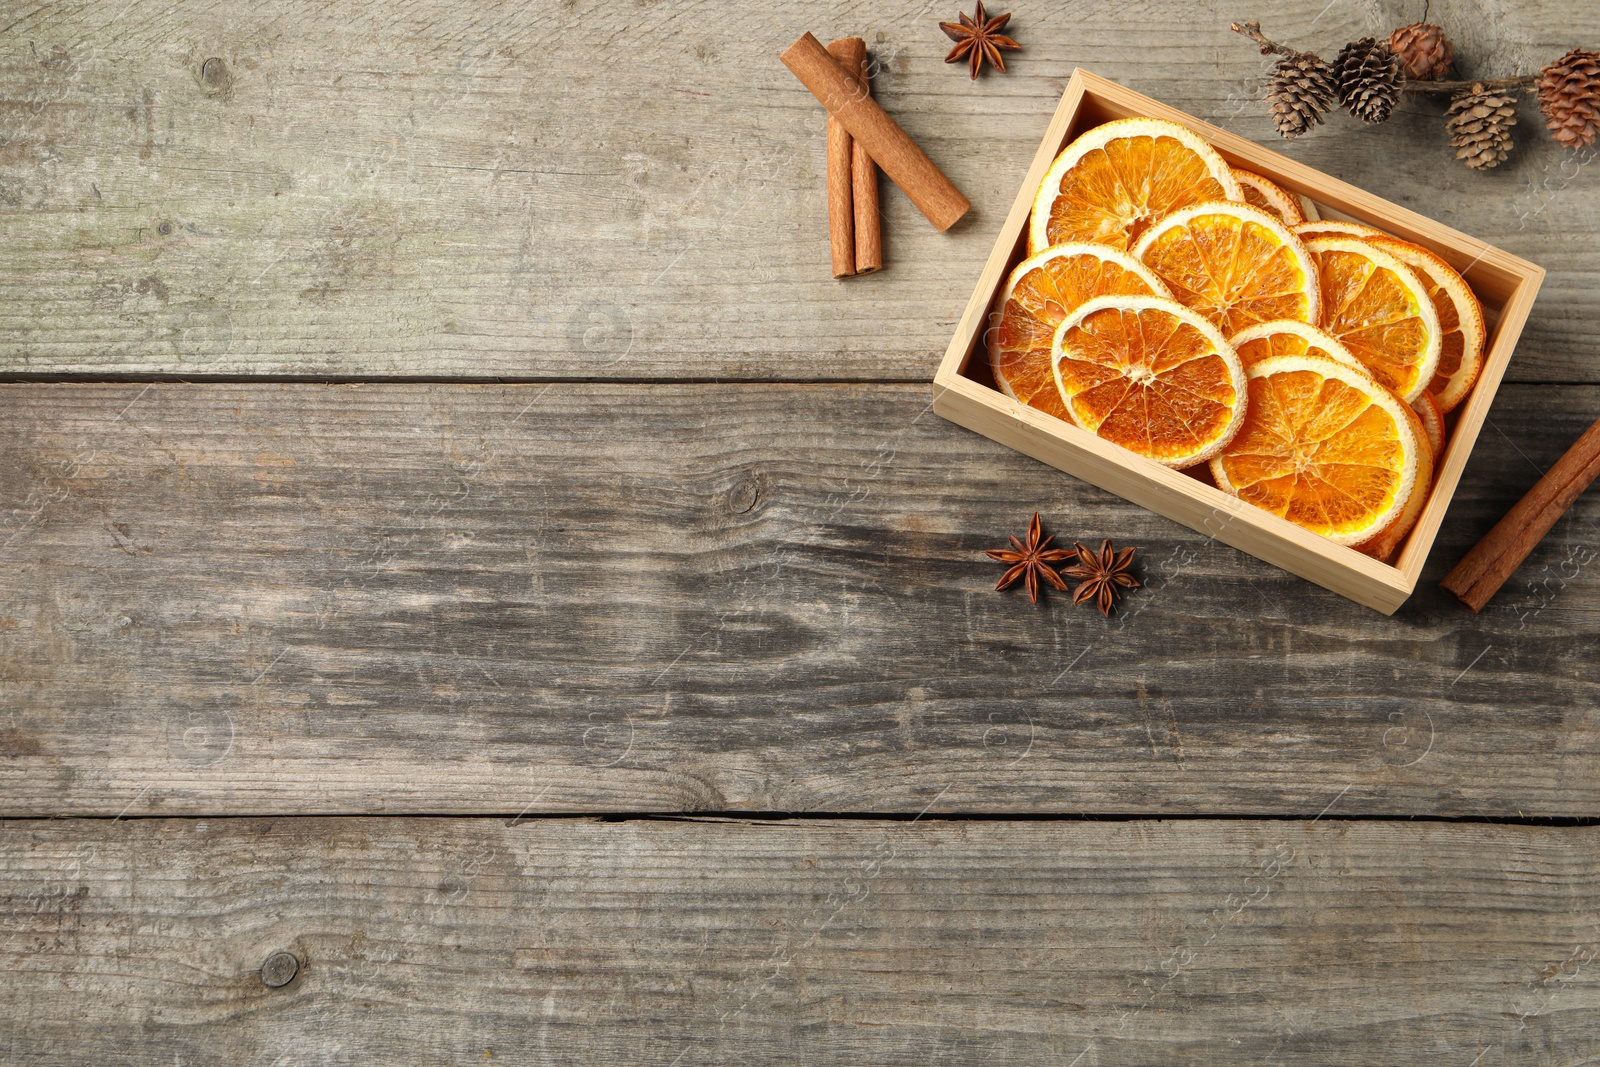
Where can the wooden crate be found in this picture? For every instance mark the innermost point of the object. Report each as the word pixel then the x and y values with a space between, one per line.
pixel 965 394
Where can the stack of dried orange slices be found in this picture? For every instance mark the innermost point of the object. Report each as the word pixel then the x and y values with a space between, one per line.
pixel 1205 317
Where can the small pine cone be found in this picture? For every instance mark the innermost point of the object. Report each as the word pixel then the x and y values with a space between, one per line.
pixel 1479 122
pixel 1301 90
pixel 1424 51
pixel 1368 76
pixel 1569 96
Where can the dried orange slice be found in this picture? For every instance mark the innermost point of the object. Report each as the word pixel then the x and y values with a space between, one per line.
pixel 1388 539
pixel 1269 196
pixel 1235 264
pixel 1460 317
pixel 1323 445
pixel 1148 374
pixel 1109 184
pixel 1287 337
pixel 1043 290
pixel 1381 310
pixel 1310 231
pixel 1432 416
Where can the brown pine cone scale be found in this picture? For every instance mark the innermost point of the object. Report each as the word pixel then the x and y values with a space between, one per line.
pixel 1569 96
pixel 1424 51
pixel 1479 123
pixel 1368 75
pixel 1300 91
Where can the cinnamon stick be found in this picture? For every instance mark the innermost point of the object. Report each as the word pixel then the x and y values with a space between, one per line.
pixel 864 189
pixel 849 51
pixel 890 147
pixel 1485 569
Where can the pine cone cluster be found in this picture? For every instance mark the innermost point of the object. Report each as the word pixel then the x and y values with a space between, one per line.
pixel 1301 91
pixel 1369 79
pixel 1424 51
pixel 1569 96
pixel 1479 122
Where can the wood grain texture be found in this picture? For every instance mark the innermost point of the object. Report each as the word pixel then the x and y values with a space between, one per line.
pixel 281 599
pixel 462 941
pixel 557 598
pixel 635 191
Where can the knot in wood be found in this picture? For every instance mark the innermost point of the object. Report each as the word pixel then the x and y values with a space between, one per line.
pixel 279 970
pixel 214 76
pixel 743 496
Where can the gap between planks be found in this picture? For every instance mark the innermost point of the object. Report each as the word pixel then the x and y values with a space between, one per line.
pixel 768 818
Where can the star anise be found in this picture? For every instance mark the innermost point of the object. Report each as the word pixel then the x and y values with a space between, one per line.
pixel 978 38
pixel 1031 561
pixel 1102 574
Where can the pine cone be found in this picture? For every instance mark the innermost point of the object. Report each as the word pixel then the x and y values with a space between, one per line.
pixel 1424 51
pixel 1301 90
pixel 1368 76
pixel 1569 96
pixel 1479 123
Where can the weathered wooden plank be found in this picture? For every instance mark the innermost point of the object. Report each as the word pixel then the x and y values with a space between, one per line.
pixel 424 598
pixel 436 941
pixel 497 189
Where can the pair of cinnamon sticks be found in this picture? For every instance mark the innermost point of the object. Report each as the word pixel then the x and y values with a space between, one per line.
pixel 875 138
pixel 1482 572
pixel 853 232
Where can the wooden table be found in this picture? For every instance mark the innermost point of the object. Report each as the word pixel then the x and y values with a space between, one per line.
pixel 457 535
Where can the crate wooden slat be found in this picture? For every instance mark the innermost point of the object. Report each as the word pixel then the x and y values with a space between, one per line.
pixel 1505 284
